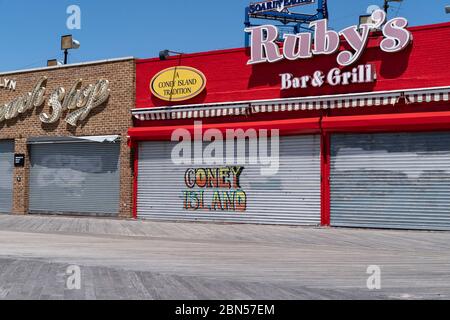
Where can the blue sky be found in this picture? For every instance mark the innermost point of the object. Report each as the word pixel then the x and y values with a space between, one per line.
pixel 30 30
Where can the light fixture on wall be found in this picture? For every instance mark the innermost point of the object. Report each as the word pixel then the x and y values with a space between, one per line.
pixel 164 54
pixel 447 9
pixel 68 43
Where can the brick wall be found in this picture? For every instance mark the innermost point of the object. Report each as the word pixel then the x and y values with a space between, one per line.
pixel 112 118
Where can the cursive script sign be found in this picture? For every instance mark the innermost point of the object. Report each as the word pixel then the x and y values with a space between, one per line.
pixel 264 46
pixel 78 101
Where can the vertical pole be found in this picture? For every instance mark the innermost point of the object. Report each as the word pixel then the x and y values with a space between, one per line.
pixel 135 150
pixel 386 6
pixel 322 9
pixel 66 56
pixel 247 25
pixel 175 75
pixel 325 188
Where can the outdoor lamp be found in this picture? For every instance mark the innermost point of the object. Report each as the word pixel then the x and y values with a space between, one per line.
pixel 366 19
pixel 53 63
pixel 447 9
pixel 164 54
pixel 68 43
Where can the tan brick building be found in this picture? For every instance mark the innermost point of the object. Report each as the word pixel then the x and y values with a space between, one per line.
pixel 73 139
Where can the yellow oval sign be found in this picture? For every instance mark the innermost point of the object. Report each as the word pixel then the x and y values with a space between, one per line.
pixel 178 84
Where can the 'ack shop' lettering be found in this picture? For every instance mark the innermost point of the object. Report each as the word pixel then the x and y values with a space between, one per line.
pixel 264 46
pixel 79 101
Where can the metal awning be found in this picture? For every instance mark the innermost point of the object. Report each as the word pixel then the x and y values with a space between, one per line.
pixel 193 112
pixel 356 100
pixel 53 140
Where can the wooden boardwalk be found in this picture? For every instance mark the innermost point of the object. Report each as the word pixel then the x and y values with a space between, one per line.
pixel 156 260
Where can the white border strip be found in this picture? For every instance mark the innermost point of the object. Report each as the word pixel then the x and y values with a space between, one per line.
pixel 67 66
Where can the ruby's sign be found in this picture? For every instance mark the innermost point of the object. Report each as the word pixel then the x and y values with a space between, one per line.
pixel 264 48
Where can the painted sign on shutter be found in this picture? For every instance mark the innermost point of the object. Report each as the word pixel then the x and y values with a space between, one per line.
pixel 214 189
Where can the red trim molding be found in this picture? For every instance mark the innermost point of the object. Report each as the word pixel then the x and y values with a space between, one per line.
pixel 286 127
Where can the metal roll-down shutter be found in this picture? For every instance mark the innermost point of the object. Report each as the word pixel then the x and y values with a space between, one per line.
pixel 391 181
pixel 6 175
pixel 292 196
pixel 75 178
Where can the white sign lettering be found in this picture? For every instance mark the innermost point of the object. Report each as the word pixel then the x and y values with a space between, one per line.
pixel 276 5
pixel 335 77
pixel 8 84
pixel 79 101
pixel 265 46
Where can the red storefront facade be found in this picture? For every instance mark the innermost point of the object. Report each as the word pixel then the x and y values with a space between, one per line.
pixel 383 155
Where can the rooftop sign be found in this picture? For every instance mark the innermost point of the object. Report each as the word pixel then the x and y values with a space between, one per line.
pixel 264 46
pixel 276 5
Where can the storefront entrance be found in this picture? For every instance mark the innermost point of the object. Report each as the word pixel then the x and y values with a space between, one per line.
pixel 74 176
pixel 391 180
pixel 6 175
pixel 236 193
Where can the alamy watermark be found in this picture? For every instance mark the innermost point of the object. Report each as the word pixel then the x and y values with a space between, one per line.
pixel 74 20
pixel 228 147
pixel 374 280
pixel 73 281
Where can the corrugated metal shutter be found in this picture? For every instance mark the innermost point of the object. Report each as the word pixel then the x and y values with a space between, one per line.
pixel 75 178
pixel 391 181
pixel 290 197
pixel 6 175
